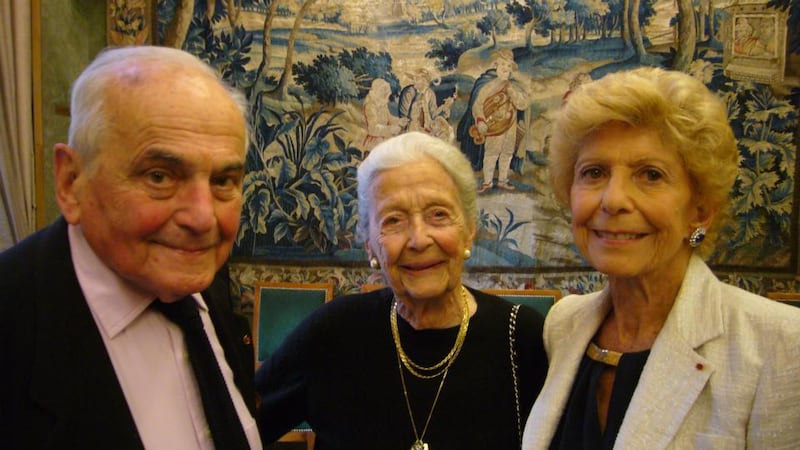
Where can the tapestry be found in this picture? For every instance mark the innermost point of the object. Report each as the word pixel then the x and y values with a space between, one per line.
pixel 327 80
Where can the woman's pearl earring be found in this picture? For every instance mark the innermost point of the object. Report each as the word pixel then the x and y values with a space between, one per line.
pixel 374 264
pixel 467 254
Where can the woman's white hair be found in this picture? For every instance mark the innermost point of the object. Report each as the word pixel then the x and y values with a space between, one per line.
pixel 409 148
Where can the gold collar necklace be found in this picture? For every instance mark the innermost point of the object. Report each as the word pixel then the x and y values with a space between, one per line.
pixel 602 355
pixel 414 368
pixel 439 368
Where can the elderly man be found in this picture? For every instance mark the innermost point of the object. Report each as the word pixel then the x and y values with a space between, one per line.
pixel 150 190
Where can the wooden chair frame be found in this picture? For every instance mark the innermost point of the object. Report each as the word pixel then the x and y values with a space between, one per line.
pixel 790 298
pixel 367 287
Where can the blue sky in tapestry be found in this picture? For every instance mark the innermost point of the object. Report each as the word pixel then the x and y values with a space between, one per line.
pixel 309 92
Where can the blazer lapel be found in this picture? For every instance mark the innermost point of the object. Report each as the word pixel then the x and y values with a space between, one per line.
pixel 576 321
pixel 72 375
pixel 675 374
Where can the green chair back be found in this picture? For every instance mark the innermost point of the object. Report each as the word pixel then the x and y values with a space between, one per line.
pixel 279 307
pixel 539 299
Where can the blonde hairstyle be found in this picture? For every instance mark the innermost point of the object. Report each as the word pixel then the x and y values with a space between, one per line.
pixel 408 148
pixel 679 107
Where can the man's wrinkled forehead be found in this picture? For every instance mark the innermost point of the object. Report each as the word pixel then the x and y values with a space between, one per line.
pixel 166 84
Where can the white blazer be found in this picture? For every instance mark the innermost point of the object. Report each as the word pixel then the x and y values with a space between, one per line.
pixel 723 373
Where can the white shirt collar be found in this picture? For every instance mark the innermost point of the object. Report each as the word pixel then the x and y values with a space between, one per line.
pixel 112 300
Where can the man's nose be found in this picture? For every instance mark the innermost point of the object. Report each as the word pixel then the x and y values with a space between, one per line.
pixel 196 209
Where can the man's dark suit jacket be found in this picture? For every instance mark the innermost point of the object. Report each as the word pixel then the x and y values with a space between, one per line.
pixel 58 388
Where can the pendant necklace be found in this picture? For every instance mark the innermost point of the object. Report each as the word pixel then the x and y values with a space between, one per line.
pixel 419 443
pixel 434 371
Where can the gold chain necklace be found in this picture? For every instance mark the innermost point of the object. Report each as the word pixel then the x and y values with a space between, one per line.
pixel 417 369
pixel 419 444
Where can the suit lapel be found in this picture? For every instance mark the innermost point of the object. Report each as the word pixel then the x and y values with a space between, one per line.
pixel 675 374
pixel 234 336
pixel 73 378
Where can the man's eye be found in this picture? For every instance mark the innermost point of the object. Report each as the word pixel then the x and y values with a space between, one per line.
pixel 157 177
pixel 225 182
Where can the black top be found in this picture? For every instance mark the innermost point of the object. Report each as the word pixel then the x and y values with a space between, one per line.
pixel 338 371
pixel 580 427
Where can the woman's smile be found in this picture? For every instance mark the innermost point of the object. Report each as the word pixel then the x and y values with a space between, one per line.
pixel 421 266
pixel 618 236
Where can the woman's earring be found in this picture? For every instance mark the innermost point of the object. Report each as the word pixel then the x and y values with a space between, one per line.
pixel 697 236
pixel 374 264
pixel 467 253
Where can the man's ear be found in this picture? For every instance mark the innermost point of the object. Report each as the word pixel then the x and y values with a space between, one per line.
pixel 67 172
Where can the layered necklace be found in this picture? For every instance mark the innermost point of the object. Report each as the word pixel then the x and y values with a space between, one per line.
pixel 426 372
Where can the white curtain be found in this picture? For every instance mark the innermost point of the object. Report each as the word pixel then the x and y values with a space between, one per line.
pixel 17 192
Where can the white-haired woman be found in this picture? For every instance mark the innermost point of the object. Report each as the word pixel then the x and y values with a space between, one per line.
pixel 425 363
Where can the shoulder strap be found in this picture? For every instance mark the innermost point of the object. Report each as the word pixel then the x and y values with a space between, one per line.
pixel 512 331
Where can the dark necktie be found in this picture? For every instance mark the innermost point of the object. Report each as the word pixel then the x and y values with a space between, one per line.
pixel 226 428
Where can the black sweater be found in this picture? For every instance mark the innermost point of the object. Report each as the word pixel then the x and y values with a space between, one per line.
pixel 338 370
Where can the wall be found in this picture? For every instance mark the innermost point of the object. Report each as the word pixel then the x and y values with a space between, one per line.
pixel 73 31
